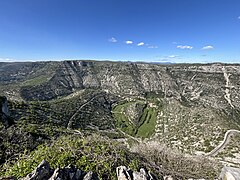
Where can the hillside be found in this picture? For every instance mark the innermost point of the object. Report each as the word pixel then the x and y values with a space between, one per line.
pixel 187 107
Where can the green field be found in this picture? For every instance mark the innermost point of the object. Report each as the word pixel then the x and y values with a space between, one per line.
pixel 145 127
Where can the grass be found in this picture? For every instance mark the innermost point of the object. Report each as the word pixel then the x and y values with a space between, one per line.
pixel 146 126
pixel 149 118
pixel 35 81
pixel 121 120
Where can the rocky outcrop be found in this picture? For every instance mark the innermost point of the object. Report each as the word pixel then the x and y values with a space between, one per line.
pixel 44 172
pixel 127 174
pixel 3 105
pixel 230 173
pixel 4 113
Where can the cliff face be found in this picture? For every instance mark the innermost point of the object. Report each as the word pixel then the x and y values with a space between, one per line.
pixel 213 84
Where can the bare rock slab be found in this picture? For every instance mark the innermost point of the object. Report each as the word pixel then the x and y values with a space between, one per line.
pixel 230 173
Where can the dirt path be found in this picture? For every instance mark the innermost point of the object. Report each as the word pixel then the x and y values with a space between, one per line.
pixel 69 124
pixel 223 143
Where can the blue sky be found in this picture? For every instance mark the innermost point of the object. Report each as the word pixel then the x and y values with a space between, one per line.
pixel 137 30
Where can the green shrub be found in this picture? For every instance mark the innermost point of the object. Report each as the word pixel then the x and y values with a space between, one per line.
pixel 92 153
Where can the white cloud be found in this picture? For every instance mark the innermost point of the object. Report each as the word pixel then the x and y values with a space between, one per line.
pixel 173 56
pixel 152 47
pixel 184 47
pixel 207 47
pixel 112 39
pixel 239 17
pixel 174 42
pixel 140 44
pixel 129 42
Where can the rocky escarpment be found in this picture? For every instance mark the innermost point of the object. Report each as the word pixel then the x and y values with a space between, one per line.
pixel 214 85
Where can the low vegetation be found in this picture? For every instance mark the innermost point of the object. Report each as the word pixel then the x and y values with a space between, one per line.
pixel 173 162
pixel 90 153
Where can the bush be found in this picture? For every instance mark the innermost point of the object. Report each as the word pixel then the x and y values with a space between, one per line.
pixel 91 153
pixel 174 163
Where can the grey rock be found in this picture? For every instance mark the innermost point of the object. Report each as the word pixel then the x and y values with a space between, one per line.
pixel 56 175
pixel 152 176
pixel 4 112
pixel 230 173
pixel 90 176
pixel 67 173
pixel 42 172
pixel 78 174
pixel 122 173
pixel 139 176
pixel 59 174
pixel 126 174
pixel 168 178
pixel 142 175
pixel 3 105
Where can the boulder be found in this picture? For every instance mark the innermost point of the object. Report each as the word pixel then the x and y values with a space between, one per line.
pixel 42 172
pixel 126 174
pixel 4 112
pixel 230 173
pixel 122 173
pixel 90 176
pixel 142 175
pixel 67 173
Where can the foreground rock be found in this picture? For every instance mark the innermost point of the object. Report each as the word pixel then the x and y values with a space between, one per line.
pixel 126 174
pixel 44 172
pixel 230 173
pixel 4 112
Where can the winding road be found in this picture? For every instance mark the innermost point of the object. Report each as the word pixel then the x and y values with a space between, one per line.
pixel 225 141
